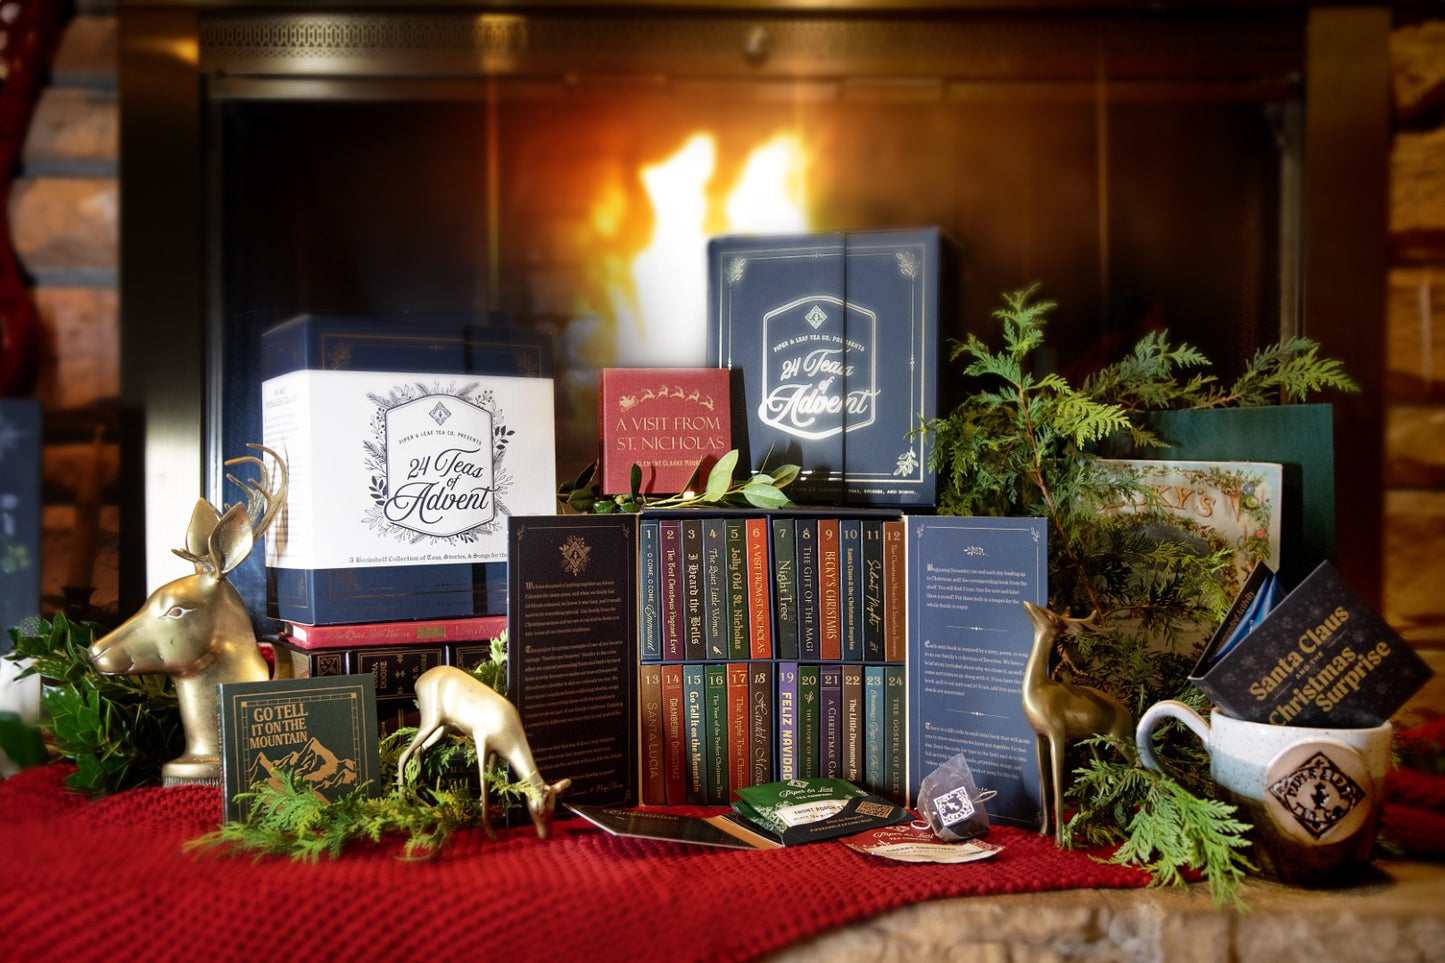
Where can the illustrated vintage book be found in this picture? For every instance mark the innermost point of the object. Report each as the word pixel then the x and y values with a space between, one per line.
pixel 667 421
pixel 1321 657
pixel 836 338
pixel 323 731
pixel 969 639
pixel 572 650
pixel 409 443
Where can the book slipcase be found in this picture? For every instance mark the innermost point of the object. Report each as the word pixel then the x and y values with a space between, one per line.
pixel 767 650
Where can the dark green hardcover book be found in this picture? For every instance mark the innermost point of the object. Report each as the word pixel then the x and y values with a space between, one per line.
pixel 694 687
pixel 809 639
pixel 294 662
pixel 895 716
pixel 322 730
pixel 694 637
pixel 785 589
pixel 649 590
pixel 850 587
pixel 761 677
pixel 715 631
pixel 715 678
pixel 874 742
pixel 397 667
pixel 809 720
pixel 854 730
pixel 735 538
pixel 872 591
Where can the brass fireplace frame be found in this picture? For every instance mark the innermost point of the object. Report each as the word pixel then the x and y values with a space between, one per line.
pixel 174 55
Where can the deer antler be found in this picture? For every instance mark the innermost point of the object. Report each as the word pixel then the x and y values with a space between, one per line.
pixel 262 503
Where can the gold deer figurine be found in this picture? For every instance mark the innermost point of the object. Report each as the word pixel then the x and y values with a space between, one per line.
pixel 196 628
pixel 1061 712
pixel 448 696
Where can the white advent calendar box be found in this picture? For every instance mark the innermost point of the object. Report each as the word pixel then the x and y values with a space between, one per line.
pixel 401 483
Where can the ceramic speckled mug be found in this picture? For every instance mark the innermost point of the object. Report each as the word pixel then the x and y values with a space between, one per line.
pixel 1312 795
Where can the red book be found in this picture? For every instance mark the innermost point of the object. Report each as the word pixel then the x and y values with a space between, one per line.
pixel 895 620
pixel 654 766
pixel 674 735
pixel 481 628
pixel 664 420
pixel 739 758
pixel 830 621
pixel 760 596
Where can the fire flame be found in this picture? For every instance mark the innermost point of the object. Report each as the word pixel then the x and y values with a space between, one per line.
pixel 663 321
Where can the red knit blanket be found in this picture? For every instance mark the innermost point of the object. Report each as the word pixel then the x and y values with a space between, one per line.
pixel 82 880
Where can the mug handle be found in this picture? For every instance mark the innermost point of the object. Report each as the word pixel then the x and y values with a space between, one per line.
pixel 1157 713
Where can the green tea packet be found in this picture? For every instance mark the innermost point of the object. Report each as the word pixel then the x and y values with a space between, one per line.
pixel 807 810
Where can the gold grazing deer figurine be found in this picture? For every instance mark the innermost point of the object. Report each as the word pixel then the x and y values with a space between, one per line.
pixel 1061 712
pixel 196 628
pixel 448 696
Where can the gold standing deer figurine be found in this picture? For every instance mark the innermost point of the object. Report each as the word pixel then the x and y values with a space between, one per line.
pixel 1061 712
pixel 196 628
pixel 448 696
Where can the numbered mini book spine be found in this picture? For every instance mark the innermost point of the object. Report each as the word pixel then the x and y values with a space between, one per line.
pixel 895 609
pixel 654 745
pixel 809 639
pixel 808 721
pixel 872 590
pixel 738 616
pixel 694 683
pixel 760 584
pixel 715 596
pixel 785 602
pixel 830 622
pixel 718 762
pixel 854 730
pixel 787 706
pixel 670 546
pixel 649 594
pixel 895 721
pixel 693 619
pixel 739 728
pixel 830 728
pixel 850 585
pixel 875 742
pixel 674 734
pixel 761 695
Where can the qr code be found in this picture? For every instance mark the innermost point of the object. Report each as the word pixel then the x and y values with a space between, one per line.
pixel 881 810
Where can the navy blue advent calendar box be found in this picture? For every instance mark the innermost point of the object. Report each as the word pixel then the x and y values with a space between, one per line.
pixel 410 442
pixel 835 340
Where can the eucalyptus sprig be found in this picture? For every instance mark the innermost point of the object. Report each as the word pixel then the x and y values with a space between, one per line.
pixel 117 729
pixel 761 489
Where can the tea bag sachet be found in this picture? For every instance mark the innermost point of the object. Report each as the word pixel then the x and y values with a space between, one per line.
pixel 952 803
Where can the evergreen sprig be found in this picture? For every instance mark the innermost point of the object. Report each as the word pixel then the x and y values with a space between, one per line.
pixel 117 729
pixel 439 797
pixel 761 489
pixel 1162 826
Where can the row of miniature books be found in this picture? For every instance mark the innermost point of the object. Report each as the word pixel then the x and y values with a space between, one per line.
pixel 395 654
pixel 735 587
pixel 710 729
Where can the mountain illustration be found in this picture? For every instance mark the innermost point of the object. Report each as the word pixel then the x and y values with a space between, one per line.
pixel 313 763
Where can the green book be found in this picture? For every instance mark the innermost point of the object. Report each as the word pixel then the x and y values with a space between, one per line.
pixel 694 687
pixel 716 686
pixel 809 721
pixel 321 730
pixel 736 541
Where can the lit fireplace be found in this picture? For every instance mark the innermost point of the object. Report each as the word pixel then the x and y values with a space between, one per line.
pixel 561 171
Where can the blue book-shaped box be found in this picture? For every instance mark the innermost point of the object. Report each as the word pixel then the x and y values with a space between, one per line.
pixel 450 350
pixel 835 337
pixel 969 639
